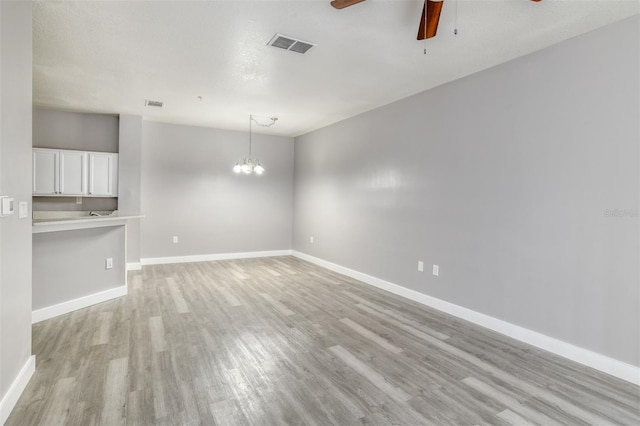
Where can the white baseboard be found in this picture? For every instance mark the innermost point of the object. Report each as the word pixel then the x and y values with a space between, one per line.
pixel 209 257
pixel 134 266
pixel 583 356
pixel 75 304
pixel 17 387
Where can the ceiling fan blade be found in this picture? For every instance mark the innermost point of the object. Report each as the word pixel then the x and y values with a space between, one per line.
pixel 429 26
pixel 341 4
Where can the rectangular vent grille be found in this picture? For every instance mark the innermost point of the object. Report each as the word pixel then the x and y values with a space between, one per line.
pixel 156 104
pixel 290 43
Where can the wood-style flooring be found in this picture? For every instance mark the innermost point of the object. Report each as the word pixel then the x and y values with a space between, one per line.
pixel 280 341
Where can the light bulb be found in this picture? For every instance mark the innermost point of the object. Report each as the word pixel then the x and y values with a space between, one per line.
pixel 258 169
pixel 251 164
pixel 237 168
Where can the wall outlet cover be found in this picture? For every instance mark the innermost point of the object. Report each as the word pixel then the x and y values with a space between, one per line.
pixel 436 270
pixel 420 266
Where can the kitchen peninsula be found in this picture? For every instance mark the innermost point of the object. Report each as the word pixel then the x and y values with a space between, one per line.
pixel 78 261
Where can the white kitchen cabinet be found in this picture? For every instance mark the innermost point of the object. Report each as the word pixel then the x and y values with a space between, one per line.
pixel 74 173
pixel 59 172
pixel 103 174
pixel 46 175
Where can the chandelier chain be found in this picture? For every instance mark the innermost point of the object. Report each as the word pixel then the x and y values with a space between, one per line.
pixel 249 164
pixel 273 121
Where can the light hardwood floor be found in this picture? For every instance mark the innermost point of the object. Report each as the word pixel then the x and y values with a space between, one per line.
pixel 281 341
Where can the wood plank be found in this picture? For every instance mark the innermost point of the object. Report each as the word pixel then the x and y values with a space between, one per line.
pixel 373 376
pixel 371 336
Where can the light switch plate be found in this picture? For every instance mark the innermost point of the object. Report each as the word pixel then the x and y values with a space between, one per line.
pixel 436 270
pixel 23 209
pixel 6 206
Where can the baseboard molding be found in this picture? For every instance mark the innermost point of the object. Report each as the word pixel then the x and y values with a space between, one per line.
pixel 583 356
pixel 209 257
pixel 75 304
pixel 134 266
pixel 10 399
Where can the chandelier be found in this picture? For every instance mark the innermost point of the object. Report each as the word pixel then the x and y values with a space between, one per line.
pixel 249 164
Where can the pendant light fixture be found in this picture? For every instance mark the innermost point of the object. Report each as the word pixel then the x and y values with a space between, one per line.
pixel 249 164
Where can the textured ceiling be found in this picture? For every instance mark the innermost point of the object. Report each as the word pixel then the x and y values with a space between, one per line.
pixel 109 56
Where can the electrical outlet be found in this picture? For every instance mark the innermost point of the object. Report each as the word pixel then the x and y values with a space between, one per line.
pixel 311 240
pixel 78 200
pixel 420 266
pixel 175 239
pixel 436 270
pixel 108 264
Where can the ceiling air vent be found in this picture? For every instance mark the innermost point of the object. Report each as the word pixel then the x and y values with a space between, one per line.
pixel 290 43
pixel 156 104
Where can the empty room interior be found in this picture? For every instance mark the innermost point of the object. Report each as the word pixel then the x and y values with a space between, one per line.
pixel 314 212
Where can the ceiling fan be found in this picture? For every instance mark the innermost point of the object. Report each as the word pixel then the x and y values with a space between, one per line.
pixel 428 20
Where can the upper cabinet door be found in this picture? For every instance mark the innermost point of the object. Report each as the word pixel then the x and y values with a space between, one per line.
pixel 103 174
pixel 45 172
pixel 73 174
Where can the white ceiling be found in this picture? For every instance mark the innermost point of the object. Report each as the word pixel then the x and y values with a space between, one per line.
pixel 109 56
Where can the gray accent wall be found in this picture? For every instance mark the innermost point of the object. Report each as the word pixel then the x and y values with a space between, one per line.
pixel 521 182
pixel 75 130
pixel 69 204
pixel 15 181
pixel 190 191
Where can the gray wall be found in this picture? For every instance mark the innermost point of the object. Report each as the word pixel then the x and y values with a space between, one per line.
pixel 189 190
pixel 15 181
pixel 129 175
pixel 69 204
pixel 77 131
pixel 62 261
pixel 506 179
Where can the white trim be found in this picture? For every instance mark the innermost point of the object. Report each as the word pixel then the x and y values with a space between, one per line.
pixel 17 387
pixel 583 356
pixel 134 266
pixel 208 257
pixel 75 304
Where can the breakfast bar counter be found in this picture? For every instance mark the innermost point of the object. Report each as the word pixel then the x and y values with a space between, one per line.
pixel 53 224
pixel 78 260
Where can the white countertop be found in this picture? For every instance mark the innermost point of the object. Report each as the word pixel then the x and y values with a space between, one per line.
pixel 81 222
